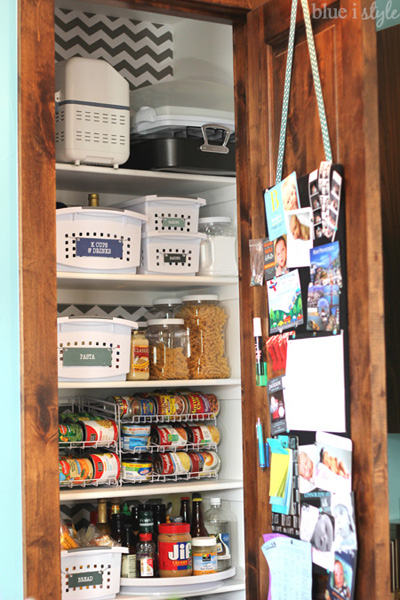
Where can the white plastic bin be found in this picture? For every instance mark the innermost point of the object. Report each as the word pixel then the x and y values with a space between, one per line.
pixel 167 213
pixel 93 348
pixel 91 573
pixel 98 240
pixel 92 113
pixel 170 254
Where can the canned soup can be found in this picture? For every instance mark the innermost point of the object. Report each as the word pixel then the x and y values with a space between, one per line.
pixel 106 466
pixel 172 463
pixel 95 432
pixel 167 435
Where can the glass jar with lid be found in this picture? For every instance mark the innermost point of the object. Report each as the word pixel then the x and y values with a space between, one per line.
pixel 167 307
pixel 169 349
pixel 205 320
pixel 218 253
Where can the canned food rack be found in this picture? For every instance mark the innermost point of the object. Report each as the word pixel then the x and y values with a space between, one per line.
pixel 186 448
pixel 97 407
pixel 156 478
pixel 184 418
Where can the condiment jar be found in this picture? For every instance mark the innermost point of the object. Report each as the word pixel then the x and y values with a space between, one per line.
pixel 218 253
pixel 166 306
pixel 204 552
pixel 205 319
pixel 139 365
pixel 174 550
pixel 169 349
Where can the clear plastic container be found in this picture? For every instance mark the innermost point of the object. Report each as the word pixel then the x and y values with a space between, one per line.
pixel 167 306
pixel 206 320
pixel 169 349
pixel 218 522
pixel 218 253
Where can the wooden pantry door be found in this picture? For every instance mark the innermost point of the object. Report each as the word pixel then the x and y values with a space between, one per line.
pixel 346 49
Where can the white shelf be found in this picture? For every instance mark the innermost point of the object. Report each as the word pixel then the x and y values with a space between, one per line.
pixel 230 585
pixel 134 282
pixel 106 180
pixel 147 490
pixel 151 383
pixel 169 587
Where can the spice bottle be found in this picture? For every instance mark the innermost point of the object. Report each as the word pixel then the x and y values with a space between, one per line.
pixel 145 556
pixel 139 365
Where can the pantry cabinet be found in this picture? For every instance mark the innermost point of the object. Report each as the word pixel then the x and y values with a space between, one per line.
pixel 347 54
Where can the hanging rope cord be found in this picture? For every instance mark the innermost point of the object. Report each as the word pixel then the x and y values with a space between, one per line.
pixel 317 86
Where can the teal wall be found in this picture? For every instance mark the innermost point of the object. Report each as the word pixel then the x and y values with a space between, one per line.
pixel 11 582
pixel 387 13
pixel 394 476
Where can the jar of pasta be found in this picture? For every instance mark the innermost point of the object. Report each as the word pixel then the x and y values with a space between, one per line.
pixel 169 349
pixel 205 319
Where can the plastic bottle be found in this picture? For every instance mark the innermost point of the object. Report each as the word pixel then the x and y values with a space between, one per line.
pixel 218 523
pixel 145 556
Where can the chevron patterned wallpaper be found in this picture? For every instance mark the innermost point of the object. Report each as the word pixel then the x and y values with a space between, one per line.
pixel 141 51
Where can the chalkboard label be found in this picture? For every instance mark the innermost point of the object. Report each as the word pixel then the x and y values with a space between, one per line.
pixel 175 258
pixel 84 579
pixel 87 357
pixel 99 248
pixel 173 222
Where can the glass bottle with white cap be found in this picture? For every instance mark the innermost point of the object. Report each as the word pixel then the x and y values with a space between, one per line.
pixel 218 253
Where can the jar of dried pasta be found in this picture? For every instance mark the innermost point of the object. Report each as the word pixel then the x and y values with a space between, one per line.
pixel 169 349
pixel 205 319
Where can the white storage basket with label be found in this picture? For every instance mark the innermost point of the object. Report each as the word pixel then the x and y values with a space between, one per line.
pixel 92 113
pixel 167 213
pixel 91 573
pixel 170 253
pixel 93 348
pixel 98 240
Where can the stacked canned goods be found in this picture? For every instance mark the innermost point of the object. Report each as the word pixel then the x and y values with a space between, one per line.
pixel 101 468
pixel 88 429
pixel 205 463
pixel 166 403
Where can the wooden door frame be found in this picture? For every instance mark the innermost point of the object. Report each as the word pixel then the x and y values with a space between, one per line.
pixel 39 401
